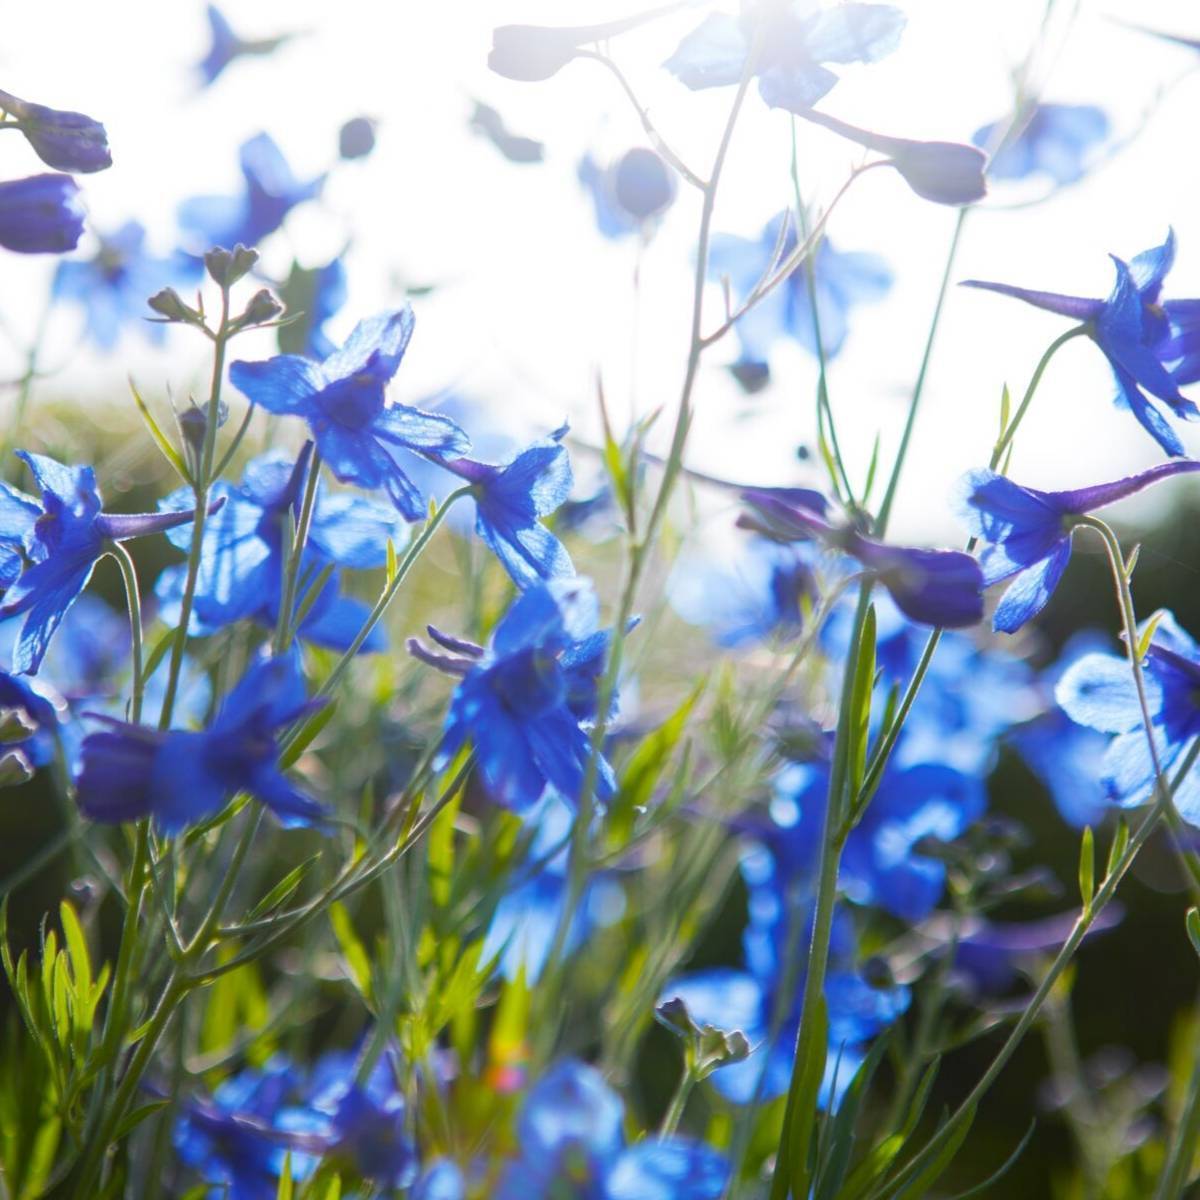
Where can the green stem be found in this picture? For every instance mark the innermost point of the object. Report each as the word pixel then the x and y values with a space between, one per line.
pixel 284 631
pixel 1184 1140
pixel 134 603
pixel 675 1110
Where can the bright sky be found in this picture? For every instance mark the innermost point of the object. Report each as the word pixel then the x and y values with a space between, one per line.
pixel 532 301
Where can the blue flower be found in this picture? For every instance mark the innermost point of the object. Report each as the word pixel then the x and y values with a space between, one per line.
pixel 1098 691
pixel 1150 343
pixel 485 120
pixel 58 542
pixel 509 499
pixel 41 215
pixel 842 279
pixel 1054 140
pixel 66 141
pixel 933 587
pixel 794 39
pixel 271 192
pixel 441 1180
pixel 243 554
pixel 571 1142
pixel 1029 532
pixel 113 285
pixel 522 705
pixel 630 193
pixel 225 45
pixel 180 777
pixel 318 294
pixel 342 399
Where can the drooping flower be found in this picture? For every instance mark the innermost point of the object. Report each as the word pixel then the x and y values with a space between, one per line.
pixel 571 1142
pixel 225 45
pixel 522 705
pixel 48 548
pixel 486 121
pixel 509 500
pixel 66 141
pixel 1150 343
pixel 1051 140
pixel 179 777
pixel 794 39
pixel 1028 532
pixel 112 286
pixel 1098 691
pixel 342 399
pixel 244 550
pixel 841 279
pixel 41 215
pixel 630 193
pixel 932 587
pixel 271 192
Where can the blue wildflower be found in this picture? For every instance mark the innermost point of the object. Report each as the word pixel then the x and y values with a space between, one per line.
pixel 571 1142
pixel 794 39
pixel 342 399
pixel 57 542
pixel 1150 343
pixel 632 192
pixel 1028 532
pixel 932 587
pixel 271 192
pixel 522 705
pixel 41 215
pixel 317 294
pixel 112 286
pixel 180 777
pixel 1054 140
pixel 225 45
pixel 66 141
pixel 842 279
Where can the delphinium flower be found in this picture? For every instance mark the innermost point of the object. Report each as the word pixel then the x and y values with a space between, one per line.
pixel 342 399
pixel 1028 532
pixel 524 704
pixel 66 141
pixel 112 285
pixel 630 193
pixel 752 592
pixel 841 279
pixel 179 777
pixel 571 1142
pixel 41 215
pixel 1052 140
pixel 794 39
pixel 762 999
pixel 485 120
pixel 1150 343
pixel 31 719
pixel 225 45
pixel 1098 691
pixel 244 549
pixel 271 192
pixel 932 587
pixel 317 294
pixel 48 548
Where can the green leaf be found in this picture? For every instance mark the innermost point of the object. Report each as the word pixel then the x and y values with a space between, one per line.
pixel 1192 924
pixel 134 1119
pixel 81 963
pixel 1130 566
pixel 353 951
pixel 1004 1168
pixel 621 476
pixel 872 1168
pixel 282 890
pixel 1087 868
pixel 1119 843
pixel 814 1046
pixel 872 470
pixel 1005 409
pixel 160 439
pixel 312 594
pixel 860 704
pixel 309 732
pixel 440 862
pixel 1147 634
pixel 392 565
pixel 841 1127
pixel 919 1186
pixel 285 1189
pixel 160 651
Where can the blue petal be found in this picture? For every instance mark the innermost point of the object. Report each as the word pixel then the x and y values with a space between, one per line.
pixel 1077 307
pixel 284 384
pixel 417 430
pixel 1098 691
pixel 850 33
pixel 667 1169
pixel 1129 396
pixel 795 88
pixel 570 1106
pixel 712 55
pixel 1031 590
pixel 1150 268
pixel 354 532
pixel 386 335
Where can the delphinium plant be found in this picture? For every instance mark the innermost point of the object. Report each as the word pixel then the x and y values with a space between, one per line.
pixel 432 825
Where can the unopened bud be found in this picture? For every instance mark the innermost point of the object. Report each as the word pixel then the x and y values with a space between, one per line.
pixel 226 267
pixel 263 307
pixel 168 305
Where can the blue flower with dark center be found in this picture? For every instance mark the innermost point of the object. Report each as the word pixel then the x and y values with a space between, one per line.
pixel 523 704
pixel 113 285
pixel 629 194
pixel 243 554
pixel 41 215
pixel 66 141
pixel 225 46
pixel 271 192
pixel 48 549
pixel 509 500
pixel 1029 532
pixel 180 777
pixel 1152 345
pixel 842 279
pixel 1054 140
pixel 572 1144
pixel 933 587
pixel 342 399
pixel 794 38
pixel 1098 691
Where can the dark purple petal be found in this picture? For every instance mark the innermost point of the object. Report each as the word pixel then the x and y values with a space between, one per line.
pixel 943 588
pixel 1077 307
pixel 1084 500
pixel 120 526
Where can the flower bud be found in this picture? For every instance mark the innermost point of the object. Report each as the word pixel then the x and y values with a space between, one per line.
pixel 263 307
pixel 226 267
pixel 170 307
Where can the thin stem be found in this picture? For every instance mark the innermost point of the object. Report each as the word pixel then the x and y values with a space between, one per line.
pixel 675 1110
pixel 284 631
pixel 134 603
pixel 1182 1152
